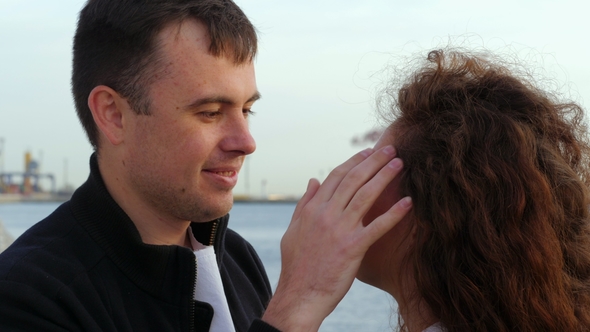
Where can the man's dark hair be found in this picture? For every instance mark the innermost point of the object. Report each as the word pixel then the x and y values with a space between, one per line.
pixel 116 45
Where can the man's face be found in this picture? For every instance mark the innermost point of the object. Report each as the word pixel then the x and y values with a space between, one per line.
pixel 183 159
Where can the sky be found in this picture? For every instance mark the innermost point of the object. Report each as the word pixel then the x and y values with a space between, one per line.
pixel 319 68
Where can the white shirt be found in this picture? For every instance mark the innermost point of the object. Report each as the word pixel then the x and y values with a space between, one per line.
pixel 436 327
pixel 209 287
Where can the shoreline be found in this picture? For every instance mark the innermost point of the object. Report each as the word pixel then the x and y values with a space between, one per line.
pixel 60 198
pixel 34 197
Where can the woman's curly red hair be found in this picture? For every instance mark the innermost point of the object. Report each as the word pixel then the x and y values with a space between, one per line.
pixel 498 171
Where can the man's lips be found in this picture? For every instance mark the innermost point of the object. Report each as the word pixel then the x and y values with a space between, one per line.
pixel 223 173
pixel 228 171
pixel 224 178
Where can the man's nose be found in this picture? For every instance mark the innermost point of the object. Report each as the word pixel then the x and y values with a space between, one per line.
pixel 238 137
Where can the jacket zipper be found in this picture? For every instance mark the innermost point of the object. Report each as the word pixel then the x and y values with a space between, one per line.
pixel 213 232
pixel 193 304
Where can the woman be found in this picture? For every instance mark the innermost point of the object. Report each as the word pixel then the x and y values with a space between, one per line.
pixel 499 235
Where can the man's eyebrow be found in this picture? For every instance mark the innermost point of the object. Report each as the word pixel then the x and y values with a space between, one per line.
pixel 222 100
pixel 255 97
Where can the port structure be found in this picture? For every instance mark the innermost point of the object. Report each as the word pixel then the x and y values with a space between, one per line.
pixel 27 182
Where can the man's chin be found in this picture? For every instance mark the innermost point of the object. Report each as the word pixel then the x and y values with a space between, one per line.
pixel 216 209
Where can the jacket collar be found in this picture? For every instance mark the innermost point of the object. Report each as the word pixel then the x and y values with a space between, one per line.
pixel 148 266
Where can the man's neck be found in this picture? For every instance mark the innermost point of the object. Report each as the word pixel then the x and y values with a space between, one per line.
pixel 153 226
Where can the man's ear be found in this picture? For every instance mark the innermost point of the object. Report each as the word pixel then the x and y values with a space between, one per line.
pixel 108 109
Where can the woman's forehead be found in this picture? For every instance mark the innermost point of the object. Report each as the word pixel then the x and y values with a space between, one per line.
pixel 386 138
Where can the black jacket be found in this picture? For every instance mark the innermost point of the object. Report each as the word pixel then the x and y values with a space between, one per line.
pixel 85 268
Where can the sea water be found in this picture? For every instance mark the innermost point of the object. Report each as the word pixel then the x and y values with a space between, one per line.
pixel 364 308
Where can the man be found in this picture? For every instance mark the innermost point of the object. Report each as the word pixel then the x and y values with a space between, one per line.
pixel 163 90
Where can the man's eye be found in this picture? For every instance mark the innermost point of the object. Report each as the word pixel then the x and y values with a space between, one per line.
pixel 247 112
pixel 210 114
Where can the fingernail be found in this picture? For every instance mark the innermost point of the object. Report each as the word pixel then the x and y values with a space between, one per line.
pixel 406 202
pixel 367 152
pixel 308 184
pixel 395 163
pixel 390 150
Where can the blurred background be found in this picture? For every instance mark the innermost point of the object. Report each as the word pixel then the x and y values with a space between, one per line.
pixel 319 67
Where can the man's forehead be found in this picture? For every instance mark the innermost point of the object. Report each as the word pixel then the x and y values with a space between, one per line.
pixel 188 30
pixel 192 33
pixel 186 43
